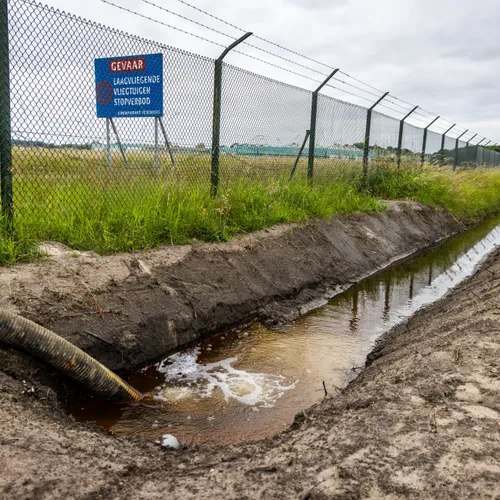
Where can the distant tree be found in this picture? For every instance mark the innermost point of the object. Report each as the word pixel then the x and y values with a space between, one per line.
pixel 200 146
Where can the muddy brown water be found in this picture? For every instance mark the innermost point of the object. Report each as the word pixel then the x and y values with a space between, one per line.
pixel 250 383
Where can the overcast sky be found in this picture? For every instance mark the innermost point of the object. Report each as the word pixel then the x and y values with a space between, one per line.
pixel 440 54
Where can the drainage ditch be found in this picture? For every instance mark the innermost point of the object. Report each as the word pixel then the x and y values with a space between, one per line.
pixel 249 383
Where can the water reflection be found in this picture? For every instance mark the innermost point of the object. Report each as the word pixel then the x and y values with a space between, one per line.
pixel 353 322
pixel 250 383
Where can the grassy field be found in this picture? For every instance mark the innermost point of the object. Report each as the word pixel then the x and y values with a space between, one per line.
pixel 72 197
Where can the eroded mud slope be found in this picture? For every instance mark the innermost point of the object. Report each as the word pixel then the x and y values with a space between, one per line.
pixel 127 310
pixel 422 421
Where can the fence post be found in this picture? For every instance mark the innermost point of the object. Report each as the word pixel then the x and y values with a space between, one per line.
pixel 442 143
pixel 400 138
pixel 312 136
pixel 109 158
pixel 366 148
pixel 424 140
pixel 455 160
pixel 488 153
pixel 467 147
pixel 214 176
pixel 299 155
pixel 482 154
pixel 5 130
pixel 477 152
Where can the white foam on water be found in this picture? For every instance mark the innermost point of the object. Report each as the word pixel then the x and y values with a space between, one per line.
pixel 252 389
pixel 175 393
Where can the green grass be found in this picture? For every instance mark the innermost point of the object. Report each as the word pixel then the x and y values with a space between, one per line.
pixel 469 195
pixel 144 216
pixel 68 196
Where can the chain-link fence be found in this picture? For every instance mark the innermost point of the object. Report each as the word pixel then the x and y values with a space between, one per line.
pixel 66 160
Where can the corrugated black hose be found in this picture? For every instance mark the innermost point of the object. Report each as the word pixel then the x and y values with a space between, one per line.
pixel 23 334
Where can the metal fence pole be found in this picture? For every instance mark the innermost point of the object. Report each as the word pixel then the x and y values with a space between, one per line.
pixel 366 149
pixel 477 155
pixel 443 138
pixel 487 151
pixel 312 137
pixel 214 177
pixel 400 138
pixel 5 131
pixel 455 160
pixel 120 145
pixel 167 142
pixel 157 149
pixel 292 173
pixel 482 155
pixel 467 147
pixel 109 160
pixel 424 140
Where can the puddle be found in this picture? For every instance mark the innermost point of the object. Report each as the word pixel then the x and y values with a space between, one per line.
pixel 249 383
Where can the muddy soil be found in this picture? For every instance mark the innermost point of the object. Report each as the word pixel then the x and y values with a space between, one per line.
pixel 422 421
pixel 130 310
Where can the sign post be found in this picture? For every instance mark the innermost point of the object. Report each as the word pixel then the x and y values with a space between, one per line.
pixel 156 144
pixel 130 87
pixel 109 159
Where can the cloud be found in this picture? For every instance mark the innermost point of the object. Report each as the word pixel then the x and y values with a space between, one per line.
pixel 324 5
pixel 437 54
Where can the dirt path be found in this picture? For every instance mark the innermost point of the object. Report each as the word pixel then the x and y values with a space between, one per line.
pixel 423 420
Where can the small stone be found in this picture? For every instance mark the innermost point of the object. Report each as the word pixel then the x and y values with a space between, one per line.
pixel 169 441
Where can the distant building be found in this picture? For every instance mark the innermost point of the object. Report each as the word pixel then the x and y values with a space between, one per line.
pixel 98 146
pixel 344 153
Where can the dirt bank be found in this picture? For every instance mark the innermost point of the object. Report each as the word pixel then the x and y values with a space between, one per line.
pixel 128 310
pixel 421 421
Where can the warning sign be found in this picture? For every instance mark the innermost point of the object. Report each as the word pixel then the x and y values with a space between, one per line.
pixel 130 86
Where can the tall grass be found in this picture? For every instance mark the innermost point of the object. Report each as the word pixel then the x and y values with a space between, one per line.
pixel 468 194
pixel 77 201
pixel 145 216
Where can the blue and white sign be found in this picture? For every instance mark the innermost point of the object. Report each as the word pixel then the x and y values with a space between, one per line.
pixel 130 86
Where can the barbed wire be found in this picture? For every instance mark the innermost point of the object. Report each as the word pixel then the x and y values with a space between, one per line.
pixel 162 23
pixel 420 111
pixel 148 2
pixel 350 93
pixel 207 40
pixel 322 64
pixel 404 108
pixel 256 36
pixel 382 105
pixel 301 55
pixel 360 81
pixel 354 86
pixel 236 51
